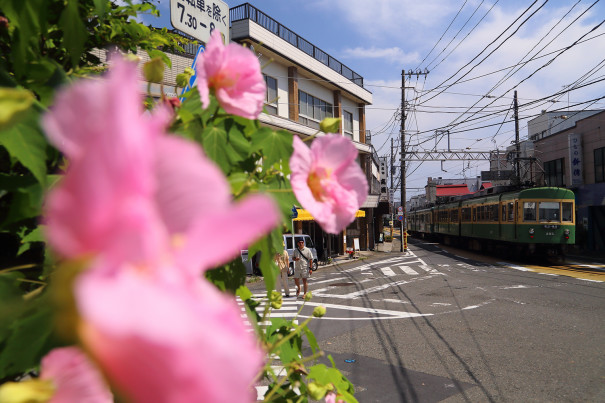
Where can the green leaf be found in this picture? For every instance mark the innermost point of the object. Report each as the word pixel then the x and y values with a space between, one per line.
pixel 26 203
pixel 229 277
pixel 13 103
pixel 214 141
pixel 244 293
pixel 237 181
pixel 36 235
pixel 28 339
pixel 311 339
pixel 276 146
pixel 74 31
pixel 25 142
pixel 100 7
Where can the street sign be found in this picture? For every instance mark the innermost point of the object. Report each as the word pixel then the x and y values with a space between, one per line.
pixel 294 212
pixel 400 209
pixel 193 78
pixel 199 18
pixel 400 217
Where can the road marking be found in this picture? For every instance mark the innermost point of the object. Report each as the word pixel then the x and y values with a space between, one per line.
pixel 408 270
pixel 387 271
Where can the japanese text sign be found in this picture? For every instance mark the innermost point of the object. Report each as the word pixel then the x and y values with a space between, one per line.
pixel 575 159
pixel 199 18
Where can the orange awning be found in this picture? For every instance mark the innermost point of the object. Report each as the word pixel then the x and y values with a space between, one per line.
pixel 304 215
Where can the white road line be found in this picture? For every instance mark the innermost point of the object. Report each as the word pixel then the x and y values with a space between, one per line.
pixel 514 266
pixel 592 281
pixel 387 271
pixel 408 270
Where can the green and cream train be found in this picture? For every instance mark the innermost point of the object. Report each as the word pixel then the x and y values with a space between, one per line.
pixel 532 221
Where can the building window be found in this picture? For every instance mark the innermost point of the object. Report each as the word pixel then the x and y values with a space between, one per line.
pixel 554 173
pixel 348 124
pixel 270 95
pixel 599 164
pixel 312 110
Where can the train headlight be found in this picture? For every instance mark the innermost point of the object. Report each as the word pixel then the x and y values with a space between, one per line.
pixel 566 234
pixel 531 233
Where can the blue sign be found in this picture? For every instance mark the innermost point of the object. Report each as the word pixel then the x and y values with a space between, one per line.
pixel 193 78
pixel 294 212
pixel 400 217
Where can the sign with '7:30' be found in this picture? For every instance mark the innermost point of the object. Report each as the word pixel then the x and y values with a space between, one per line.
pixel 199 18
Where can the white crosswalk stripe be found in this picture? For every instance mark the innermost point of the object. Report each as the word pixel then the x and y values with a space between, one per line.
pixel 408 270
pixel 387 271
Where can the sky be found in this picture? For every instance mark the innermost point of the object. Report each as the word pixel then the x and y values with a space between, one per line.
pixel 476 52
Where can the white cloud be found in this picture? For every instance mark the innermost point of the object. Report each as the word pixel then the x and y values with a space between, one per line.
pixel 392 54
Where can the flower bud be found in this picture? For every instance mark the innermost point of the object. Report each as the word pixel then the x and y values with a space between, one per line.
pixel 154 70
pixel 276 299
pixel 182 80
pixel 330 125
pixel 316 391
pixel 319 311
pixel 308 296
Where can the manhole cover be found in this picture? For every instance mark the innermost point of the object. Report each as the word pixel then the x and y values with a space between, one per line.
pixel 342 284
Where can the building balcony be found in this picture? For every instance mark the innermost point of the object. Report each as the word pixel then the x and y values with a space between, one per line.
pixel 247 22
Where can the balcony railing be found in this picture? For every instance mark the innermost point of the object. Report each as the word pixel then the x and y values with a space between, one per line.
pixel 249 12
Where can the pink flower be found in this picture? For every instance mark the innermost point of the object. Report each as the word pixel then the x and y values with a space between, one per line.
pixel 327 180
pixel 233 72
pixel 331 398
pixel 74 378
pixel 162 341
pixel 133 193
pixel 152 213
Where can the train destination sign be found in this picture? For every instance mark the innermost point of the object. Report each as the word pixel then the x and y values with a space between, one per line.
pixel 199 18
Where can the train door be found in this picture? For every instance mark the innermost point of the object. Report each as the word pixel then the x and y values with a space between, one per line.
pixel 516 218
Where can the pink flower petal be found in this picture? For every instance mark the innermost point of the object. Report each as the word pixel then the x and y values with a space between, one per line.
pixel 240 225
pixel 233 72
pixel 327 180
pixel 167 342
pixel 74 377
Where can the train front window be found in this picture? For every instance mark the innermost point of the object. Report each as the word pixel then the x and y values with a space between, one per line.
pixel 549 211
pixel 567 212
pixel 529 211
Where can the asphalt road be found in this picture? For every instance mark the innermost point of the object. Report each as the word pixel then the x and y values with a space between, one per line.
pixel 450 326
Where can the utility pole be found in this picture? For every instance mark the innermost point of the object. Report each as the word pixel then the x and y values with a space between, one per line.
pixel 517 145
pixel 391 189
pixel 403 117
pixel 403 181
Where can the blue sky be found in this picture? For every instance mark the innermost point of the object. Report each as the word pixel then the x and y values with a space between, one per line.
pixel 379 38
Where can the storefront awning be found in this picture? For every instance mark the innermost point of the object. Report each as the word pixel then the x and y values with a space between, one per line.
pixel 304 215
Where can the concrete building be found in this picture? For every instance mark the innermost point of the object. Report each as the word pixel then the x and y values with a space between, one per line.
pixel 305 85
pixel 574 158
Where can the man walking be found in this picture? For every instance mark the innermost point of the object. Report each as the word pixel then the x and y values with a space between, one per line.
pixel 282 259
pixel 303 261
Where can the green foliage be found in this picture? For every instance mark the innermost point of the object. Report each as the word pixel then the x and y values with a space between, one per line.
pixel 42 51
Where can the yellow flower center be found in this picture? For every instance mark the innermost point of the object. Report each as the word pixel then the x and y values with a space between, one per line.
pixel 314 183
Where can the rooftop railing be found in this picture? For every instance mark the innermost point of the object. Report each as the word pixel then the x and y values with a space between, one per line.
pixel 247 11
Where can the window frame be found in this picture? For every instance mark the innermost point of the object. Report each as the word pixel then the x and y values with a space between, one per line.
pixel 271 102
pixel 554 172
pixel 320 109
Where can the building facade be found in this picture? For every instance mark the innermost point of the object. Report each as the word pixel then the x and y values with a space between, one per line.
pixel 304 86
pixel 574 158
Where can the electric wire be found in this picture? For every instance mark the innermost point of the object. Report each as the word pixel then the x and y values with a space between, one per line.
pixel 485 48
pixel 442 35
